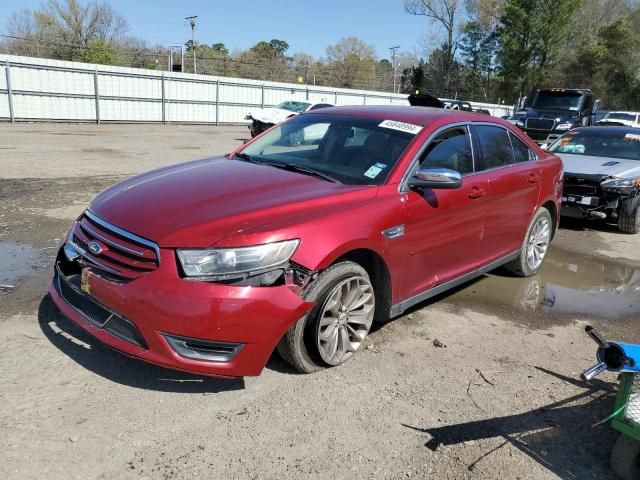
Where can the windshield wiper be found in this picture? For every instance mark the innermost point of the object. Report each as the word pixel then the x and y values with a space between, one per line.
pixel 246 157
pixel 305 170
pixel 288 166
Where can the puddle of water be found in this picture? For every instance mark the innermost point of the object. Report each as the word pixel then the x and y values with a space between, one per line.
pixel 16 262
pixel 567 285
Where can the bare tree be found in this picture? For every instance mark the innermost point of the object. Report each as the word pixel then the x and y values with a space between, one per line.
pixel 351 62
pixel 441 12
pixel 72 26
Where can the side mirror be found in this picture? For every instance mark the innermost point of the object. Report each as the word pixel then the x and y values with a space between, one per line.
pixel 436 178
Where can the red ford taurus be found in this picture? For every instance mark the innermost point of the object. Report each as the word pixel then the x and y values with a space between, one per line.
pixel 302 238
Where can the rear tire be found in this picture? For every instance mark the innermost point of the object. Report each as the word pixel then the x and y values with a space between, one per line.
pixel 625 458
pixel 535 246
pixel 301 345
pixel 629 223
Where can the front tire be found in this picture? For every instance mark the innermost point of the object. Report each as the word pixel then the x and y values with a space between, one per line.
pixel 335 328
pixel 629 222
pixel 535 246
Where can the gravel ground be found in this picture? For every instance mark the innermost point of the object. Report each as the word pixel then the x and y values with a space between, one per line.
pixel 480 383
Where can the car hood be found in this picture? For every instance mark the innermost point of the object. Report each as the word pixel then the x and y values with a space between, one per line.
pixel 617 122
pixel 196 204
pixel 271 115
pixel 588 165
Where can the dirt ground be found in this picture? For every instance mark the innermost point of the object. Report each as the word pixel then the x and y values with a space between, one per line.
pixel 480 383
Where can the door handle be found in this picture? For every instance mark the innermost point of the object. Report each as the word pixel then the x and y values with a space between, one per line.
pixel 533 178
pixel 477 192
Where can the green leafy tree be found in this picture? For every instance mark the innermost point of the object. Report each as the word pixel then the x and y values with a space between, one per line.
pixel 100 51
pixel 531 33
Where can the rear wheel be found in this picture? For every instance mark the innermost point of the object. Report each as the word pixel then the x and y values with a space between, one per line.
pixel 535 246
pixel 334 330
pixel 629 222
pixel 625 458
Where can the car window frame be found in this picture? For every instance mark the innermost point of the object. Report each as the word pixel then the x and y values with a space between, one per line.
pixel 415 161
pixel 509 132
pixel 531 155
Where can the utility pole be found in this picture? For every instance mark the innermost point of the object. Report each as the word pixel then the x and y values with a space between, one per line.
pixel 192 22
pixel 394 52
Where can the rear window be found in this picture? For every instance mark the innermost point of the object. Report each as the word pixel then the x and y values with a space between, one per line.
pixel 600 142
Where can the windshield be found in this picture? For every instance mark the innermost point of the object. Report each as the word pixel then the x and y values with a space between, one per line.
pixel 351 150
pixel 557 101
pixel 600 143
pixel 630 117
pixel 297 107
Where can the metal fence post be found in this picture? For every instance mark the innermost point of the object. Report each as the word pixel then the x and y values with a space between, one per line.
pixel 364 99
pixel 217 102
pixel 336 97
pixel 97 95
pixel 164 119
pixel 7 72
pixel 262 95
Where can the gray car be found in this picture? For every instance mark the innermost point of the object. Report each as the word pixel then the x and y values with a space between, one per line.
pixel 602 174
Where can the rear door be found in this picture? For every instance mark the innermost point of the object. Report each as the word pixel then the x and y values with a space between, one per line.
pixel 443 228
pixel 513 189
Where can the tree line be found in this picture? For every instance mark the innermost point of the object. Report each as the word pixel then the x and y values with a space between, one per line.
pixel 482 50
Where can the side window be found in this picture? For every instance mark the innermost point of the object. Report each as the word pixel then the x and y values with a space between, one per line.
pixel 521 152
pixel 494 146
pixel 450 149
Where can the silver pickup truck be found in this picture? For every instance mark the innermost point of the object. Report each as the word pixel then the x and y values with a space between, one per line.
pixel 601 174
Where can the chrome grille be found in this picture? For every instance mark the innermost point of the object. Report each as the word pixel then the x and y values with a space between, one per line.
pixel 545 124
pixel 123 254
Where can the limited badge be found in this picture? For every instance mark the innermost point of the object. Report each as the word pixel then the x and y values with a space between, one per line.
pixel 85 286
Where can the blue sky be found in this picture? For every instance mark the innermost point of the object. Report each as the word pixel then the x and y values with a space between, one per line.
pixel 307 25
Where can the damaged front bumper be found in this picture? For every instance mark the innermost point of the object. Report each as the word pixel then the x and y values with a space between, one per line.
pixel 584 197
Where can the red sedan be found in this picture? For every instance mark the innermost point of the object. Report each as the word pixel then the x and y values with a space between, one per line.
pixel 305 236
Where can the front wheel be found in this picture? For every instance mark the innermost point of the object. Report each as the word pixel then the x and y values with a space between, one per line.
pixel 628 221
pixel 335 329
pixel 535 246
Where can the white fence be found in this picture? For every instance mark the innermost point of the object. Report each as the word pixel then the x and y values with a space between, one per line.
pixel 39 89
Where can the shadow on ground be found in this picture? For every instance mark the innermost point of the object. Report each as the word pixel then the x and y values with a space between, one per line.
pixel 112 365
pixel 559 436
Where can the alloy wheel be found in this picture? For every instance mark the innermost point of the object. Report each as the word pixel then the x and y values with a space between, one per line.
pixel 538 243
pixel 345 319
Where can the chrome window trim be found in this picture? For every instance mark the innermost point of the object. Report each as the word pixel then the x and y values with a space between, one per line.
pixel 489 124
pixel 124 233
pixel 402 186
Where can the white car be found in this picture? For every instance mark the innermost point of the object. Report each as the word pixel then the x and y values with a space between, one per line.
pixel 626 119
pixel 265 118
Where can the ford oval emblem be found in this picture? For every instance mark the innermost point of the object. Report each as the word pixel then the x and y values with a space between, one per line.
pixel 95 247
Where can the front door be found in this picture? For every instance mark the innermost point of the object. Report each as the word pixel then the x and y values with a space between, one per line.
pixel 443 228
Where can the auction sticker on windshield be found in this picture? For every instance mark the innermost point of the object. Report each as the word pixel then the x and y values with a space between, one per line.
pixel 401 126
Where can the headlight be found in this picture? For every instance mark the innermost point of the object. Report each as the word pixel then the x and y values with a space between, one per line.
pixel 565 126
pixel 620 183
pixel 225 263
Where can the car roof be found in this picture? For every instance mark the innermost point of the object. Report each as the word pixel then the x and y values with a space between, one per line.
pixel 400 113
pixel 611 131
pixel 628 112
